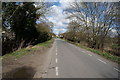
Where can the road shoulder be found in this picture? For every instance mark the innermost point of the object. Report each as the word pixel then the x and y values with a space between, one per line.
pixel 32 65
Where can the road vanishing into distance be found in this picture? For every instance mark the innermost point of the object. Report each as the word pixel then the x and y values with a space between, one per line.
pixel 70 61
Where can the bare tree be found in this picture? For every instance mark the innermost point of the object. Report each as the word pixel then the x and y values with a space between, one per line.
pixel 96 21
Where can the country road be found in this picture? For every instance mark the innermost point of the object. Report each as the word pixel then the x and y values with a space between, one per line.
pixel 69 61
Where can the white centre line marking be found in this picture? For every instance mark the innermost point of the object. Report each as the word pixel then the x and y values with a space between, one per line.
pixel 89 54
pixel 56 71
pixel 102 61
pixel 56 60
pixel 117 69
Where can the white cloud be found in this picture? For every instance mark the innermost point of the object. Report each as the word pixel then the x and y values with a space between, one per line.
pixel 66 3
pixel 58 17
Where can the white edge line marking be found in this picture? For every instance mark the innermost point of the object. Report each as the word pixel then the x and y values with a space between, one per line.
pixel 56 60
pixel 56 71
pixel 117 69
pixel 56 54
pixel 102 61
pixel 89 54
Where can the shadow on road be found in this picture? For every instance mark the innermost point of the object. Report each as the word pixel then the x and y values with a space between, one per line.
pixel 22 72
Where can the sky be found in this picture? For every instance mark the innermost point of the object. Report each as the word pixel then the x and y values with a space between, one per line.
pixel 58 17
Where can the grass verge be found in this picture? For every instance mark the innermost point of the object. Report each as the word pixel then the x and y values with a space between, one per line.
pixel 25 51
pixel 101 53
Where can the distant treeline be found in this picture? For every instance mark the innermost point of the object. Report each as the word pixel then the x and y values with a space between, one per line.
pixel 19 27
pixel 96 25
